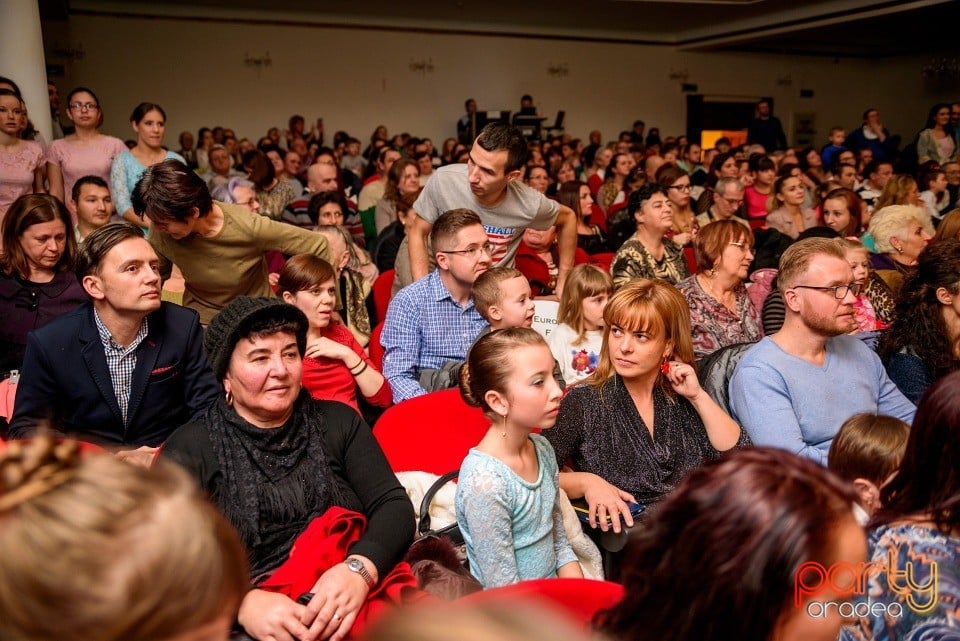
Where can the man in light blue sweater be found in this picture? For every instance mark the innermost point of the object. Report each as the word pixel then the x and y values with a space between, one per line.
pixel 795 388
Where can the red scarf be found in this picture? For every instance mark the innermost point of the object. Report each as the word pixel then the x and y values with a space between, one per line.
pixel 323 544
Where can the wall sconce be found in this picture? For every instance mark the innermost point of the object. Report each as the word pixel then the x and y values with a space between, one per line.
pixel 941 69
pixel 682 75
pixel 559 70
pixel 263 61
pixel 785 81
pixel 69 52
pixel 422 67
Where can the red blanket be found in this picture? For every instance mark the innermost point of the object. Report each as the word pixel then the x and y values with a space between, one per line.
pixel 325 543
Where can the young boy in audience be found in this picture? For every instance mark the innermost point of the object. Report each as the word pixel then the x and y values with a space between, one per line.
pixel 835 146
pixel 352 159
pixel 502 297
pixel 866 452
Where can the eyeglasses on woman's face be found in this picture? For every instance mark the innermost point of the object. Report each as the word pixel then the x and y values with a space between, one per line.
pixel 83 106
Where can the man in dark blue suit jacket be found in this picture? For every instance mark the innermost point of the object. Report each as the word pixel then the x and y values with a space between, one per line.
pixel 123 370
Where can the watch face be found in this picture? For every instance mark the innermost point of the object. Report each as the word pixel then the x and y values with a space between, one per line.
pixel 356 565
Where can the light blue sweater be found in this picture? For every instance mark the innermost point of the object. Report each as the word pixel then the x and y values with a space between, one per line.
pixel 125 173
pixel 513 528
pixel 786 402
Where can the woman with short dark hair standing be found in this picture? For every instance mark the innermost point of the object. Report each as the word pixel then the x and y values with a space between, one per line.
pixel 218 247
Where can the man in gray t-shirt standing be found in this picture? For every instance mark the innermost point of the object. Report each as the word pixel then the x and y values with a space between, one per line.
pixel 489 184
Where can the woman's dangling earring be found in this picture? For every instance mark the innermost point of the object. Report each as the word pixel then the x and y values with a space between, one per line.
pixel 503 434
pixel 229 399
pixel 665 366
pixel 899 250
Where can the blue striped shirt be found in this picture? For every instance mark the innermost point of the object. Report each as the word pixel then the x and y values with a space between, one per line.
pixel 425 327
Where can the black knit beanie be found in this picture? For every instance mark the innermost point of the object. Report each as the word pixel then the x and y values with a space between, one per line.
pixel 235 322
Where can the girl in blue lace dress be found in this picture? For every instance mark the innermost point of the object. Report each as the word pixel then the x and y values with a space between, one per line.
pixel 506 498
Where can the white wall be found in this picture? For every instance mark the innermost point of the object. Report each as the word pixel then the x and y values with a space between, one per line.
pixel 358 78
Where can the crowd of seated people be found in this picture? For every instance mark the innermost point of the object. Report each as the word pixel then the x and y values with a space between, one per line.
pixel 803 287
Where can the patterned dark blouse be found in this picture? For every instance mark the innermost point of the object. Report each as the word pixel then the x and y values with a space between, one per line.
pixel 714 326
pixel 634 261
pixel 601 432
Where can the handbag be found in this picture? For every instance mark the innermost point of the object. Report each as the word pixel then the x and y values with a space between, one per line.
pixel 451 531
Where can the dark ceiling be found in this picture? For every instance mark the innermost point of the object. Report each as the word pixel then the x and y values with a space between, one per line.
pixel 836 28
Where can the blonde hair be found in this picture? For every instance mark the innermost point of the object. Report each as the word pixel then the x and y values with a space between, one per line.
pixel 486 289
pixel 896 191
pixel 851 245
pixel 100 550
pixel 583 282
pixel 489 363
pixel 893 220
pixel 650 305
pixel 798 256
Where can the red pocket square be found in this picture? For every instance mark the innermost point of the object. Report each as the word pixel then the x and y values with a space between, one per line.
pixel 161 370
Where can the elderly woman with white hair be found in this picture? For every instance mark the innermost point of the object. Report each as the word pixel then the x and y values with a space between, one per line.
pixel 237 191
pixel 900 233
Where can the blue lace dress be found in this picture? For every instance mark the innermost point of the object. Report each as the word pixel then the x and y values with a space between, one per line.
pixel 513 528
pixel 124 174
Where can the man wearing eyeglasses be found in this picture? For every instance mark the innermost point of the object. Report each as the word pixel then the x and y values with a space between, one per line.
pixel 490 184
pixel 433 322
pixel 795 388
pixel 727 201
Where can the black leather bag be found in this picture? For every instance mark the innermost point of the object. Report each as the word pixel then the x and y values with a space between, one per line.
pixel 451 531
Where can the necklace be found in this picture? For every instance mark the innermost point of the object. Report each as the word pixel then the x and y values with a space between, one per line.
pixel 730 303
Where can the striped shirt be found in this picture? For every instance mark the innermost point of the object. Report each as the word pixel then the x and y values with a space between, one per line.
pixel 121 361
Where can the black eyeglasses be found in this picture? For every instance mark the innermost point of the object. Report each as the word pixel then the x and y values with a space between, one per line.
pixel 472 252
pixel 681 187
pixel 83 106
pixel 839 291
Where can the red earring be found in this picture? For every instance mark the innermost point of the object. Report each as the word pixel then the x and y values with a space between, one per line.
pixel 665 367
